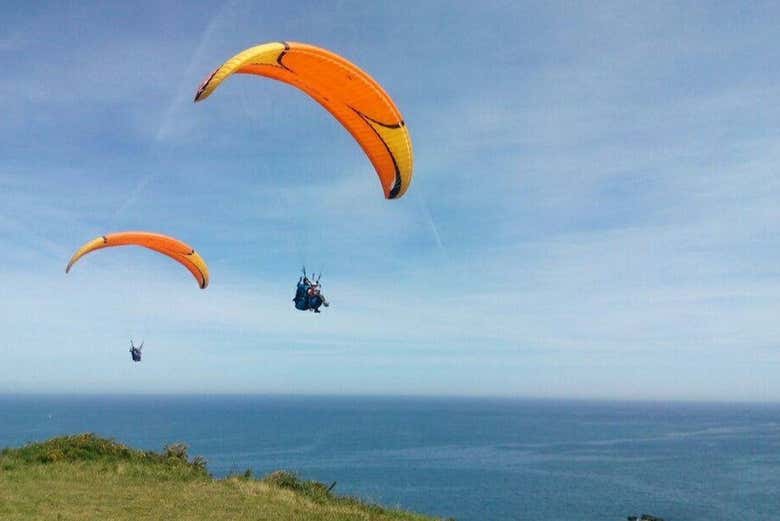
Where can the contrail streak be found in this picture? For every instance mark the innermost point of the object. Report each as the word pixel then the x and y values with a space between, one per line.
pixel 183 96
pixel 432 225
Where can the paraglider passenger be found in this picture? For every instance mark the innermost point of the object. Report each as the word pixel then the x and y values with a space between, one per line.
pixel 316 298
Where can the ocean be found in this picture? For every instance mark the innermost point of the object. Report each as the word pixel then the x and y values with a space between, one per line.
pixel 471 459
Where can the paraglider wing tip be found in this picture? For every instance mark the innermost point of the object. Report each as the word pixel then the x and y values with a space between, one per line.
pixel 395 190
pixel 201 89
pixel 201 92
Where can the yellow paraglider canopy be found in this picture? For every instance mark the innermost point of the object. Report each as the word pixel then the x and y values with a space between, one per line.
pixel 345 90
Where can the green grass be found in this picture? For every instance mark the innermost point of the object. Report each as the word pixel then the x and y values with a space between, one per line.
pixel 86 477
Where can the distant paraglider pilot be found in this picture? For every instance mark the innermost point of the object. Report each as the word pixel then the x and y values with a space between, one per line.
pixel 135 352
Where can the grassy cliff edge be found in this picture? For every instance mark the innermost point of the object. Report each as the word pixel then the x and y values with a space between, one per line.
pixel 87 477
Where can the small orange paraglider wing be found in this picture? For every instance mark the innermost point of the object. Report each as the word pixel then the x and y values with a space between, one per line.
pixel 173 248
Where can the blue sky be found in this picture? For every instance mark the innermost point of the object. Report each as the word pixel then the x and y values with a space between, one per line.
pixel 594 211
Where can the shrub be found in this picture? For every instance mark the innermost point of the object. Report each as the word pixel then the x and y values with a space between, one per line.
pixel 199 462
pixel 311 489
pixel 176 450
pixel 89 447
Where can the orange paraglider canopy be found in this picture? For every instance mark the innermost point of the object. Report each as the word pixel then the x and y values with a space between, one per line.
pixel 173 248
pixel 345 90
